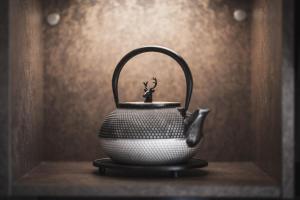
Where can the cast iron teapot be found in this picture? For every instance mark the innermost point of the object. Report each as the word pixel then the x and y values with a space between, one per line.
pixel 152 133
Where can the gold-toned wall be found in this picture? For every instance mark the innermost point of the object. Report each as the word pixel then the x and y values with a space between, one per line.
pixel 80 54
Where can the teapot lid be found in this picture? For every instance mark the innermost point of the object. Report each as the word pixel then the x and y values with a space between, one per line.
pixel 149 105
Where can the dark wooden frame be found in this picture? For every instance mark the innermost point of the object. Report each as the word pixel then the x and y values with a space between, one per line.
pixel 288 100
pixel 4 101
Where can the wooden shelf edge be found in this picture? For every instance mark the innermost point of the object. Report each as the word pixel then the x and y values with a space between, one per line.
pixel 195 191
pixel 237 179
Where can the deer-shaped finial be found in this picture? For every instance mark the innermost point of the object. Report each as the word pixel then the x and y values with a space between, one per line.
pixel 148 92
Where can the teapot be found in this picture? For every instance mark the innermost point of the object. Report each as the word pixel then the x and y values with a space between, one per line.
pixel 149 132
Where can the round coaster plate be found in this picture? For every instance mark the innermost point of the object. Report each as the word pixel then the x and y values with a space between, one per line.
pixel 107 163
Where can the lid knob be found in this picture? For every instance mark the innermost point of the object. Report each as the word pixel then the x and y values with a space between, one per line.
pixel 149 91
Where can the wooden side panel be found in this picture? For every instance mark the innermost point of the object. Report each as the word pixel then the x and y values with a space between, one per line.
pixel 288 100
pixel 92 36
pixel 4 103
pixel 26 84
pixel 266 83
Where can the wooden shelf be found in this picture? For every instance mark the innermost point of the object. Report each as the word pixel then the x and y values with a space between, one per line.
pixel 219 179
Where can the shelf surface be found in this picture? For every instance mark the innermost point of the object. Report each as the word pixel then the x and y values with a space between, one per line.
pixel 219 179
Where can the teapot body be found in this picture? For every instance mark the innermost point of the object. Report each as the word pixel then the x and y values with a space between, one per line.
pixel 146 136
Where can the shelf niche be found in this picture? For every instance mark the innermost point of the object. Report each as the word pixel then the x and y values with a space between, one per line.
pixel 60 91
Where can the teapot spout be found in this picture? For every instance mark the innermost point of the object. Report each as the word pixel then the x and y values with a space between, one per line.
pixel 194 126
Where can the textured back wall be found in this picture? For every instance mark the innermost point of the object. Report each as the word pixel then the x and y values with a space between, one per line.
pixel 82 51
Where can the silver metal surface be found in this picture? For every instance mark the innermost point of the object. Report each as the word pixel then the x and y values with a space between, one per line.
pixel 162 123
pixel 148 151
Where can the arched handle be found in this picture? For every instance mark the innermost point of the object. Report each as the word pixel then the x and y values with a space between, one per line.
pixel 172 54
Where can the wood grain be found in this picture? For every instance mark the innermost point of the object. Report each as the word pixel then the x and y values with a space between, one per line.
pixel 26 84
pixel 266 84
pixel 242 179
pixel 82 50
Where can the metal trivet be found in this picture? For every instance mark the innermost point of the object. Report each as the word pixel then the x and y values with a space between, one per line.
pixel 107 163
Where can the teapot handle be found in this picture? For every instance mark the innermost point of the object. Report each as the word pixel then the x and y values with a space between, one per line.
pixel 172 54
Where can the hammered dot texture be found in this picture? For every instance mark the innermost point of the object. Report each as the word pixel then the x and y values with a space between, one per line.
pixel 162 123
pixel 148 151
